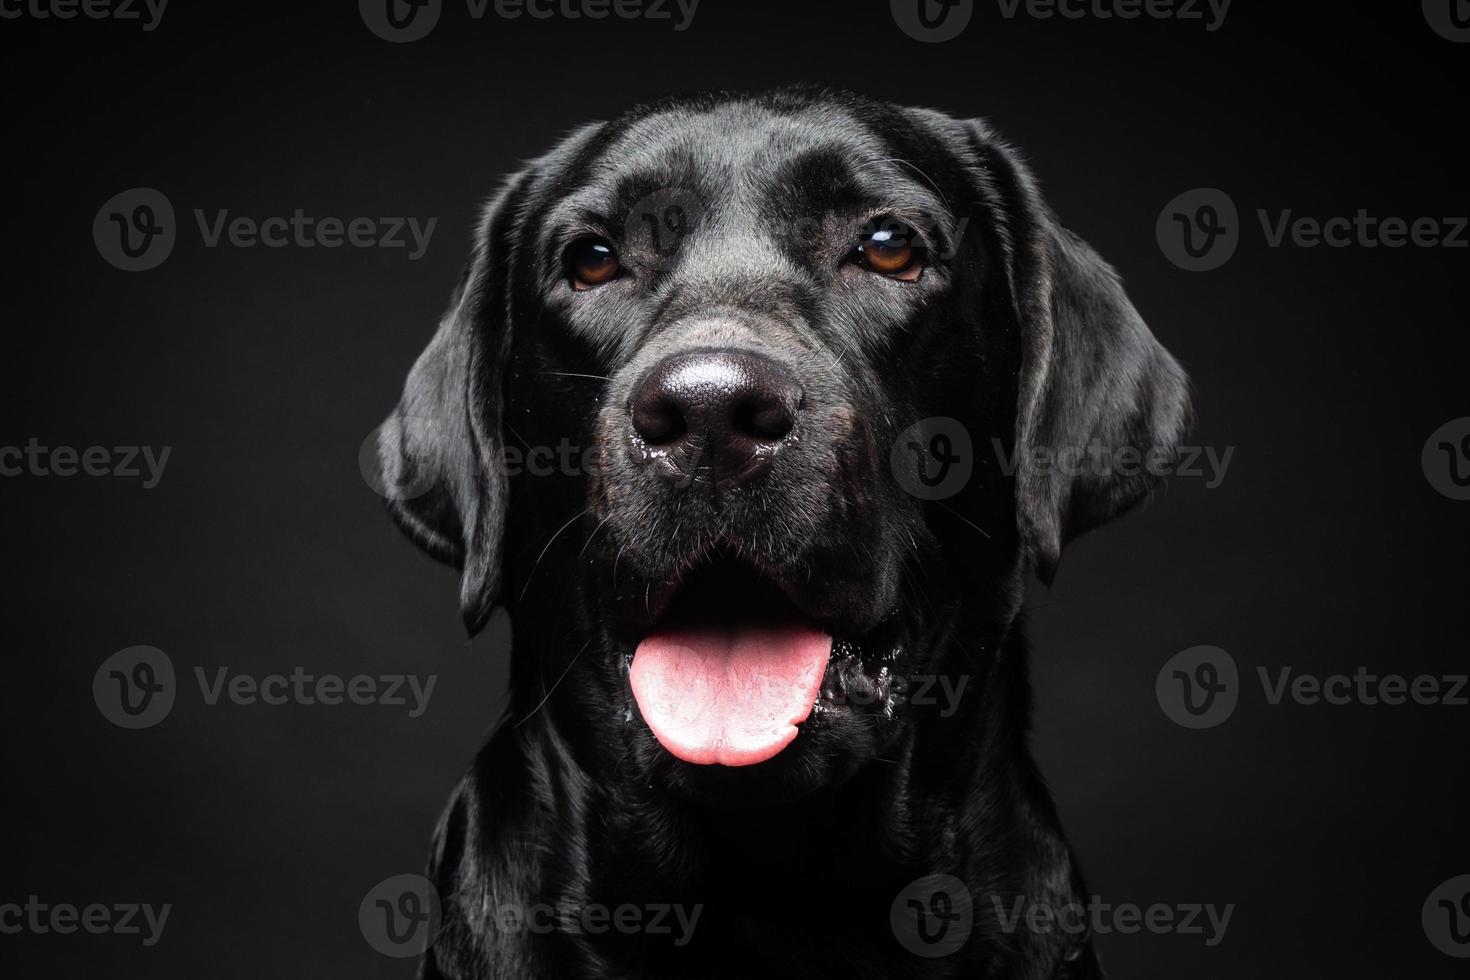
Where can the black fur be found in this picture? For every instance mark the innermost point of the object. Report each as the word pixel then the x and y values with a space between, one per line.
pixel 1016 328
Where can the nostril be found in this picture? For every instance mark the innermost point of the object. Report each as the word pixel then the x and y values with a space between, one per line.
pixel 762 418
pixel 657 419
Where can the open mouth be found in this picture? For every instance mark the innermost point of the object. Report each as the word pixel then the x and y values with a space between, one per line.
pixel 733 667
pixel 730 670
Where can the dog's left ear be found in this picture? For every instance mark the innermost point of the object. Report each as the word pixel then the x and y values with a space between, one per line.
pixel 1102 404
pixel 441 450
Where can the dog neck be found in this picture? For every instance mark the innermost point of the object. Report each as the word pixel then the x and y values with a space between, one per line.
pixel 957 795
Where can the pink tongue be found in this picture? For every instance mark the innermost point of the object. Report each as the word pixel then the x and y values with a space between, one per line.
pixel 731 697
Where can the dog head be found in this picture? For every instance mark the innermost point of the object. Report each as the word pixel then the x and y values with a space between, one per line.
pixel 751 410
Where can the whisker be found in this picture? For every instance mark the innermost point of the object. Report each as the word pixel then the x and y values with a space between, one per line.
pixel 599 527
pixel 573 374
pixel 516 434
pixel 916 169
pixel 549 693
pixel 532 573
pixel 962 517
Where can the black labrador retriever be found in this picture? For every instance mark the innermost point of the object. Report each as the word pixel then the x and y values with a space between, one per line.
pixel 754 412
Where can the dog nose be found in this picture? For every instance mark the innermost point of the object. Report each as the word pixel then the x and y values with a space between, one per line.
pixel 722 409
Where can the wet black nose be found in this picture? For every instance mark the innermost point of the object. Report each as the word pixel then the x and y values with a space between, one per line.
pixel 723 410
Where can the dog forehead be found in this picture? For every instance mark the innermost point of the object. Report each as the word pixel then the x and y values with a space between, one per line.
pixel 738 149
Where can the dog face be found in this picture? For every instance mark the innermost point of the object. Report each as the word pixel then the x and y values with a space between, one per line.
pixel 681 415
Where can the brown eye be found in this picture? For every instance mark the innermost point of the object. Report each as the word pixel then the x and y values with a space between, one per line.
pixel 892 252
pixel 592 262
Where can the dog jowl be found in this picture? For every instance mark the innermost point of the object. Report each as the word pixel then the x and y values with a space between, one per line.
pixel 744 304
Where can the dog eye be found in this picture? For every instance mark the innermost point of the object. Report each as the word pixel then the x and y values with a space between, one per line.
pixel 591 262
pixel 892 251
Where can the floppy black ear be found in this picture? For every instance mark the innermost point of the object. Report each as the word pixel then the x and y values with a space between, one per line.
pixel 1102 404
pixel 441 450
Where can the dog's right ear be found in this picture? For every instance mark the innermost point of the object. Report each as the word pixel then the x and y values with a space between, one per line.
pixel 441 451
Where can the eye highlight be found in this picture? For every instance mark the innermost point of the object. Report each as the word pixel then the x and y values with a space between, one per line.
pixel 893 251
pixel 591 262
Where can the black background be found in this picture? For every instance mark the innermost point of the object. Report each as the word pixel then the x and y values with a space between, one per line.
pixel 263 548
